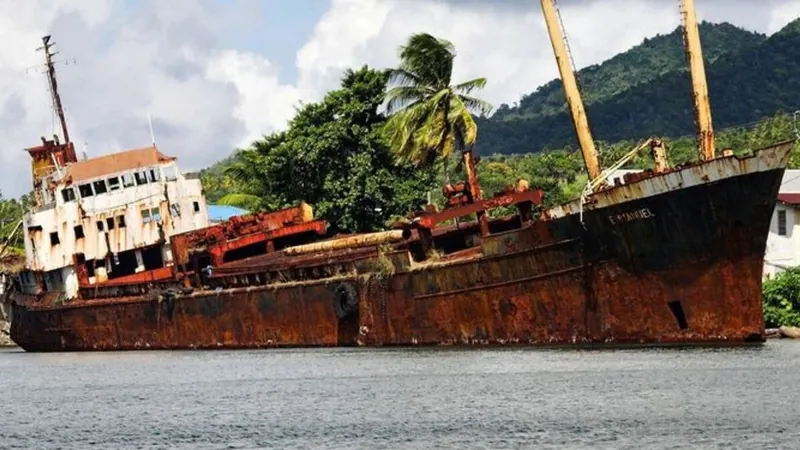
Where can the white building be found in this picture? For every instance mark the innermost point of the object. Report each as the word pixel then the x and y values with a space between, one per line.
pixel 112 214
pixel 783 244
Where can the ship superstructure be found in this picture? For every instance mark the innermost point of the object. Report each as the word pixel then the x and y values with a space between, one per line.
pixel 109 216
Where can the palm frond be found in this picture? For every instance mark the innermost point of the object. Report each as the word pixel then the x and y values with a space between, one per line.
pixel 247 201
pixel 400 97
pixel 433 133
pixel 463 123
pixel 415 132
pixel 430 59
pixel 403 77
pixel 469 86
pixel 476 105
pixel 400 128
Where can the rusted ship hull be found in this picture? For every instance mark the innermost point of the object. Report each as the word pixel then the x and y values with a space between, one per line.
pixel 671 258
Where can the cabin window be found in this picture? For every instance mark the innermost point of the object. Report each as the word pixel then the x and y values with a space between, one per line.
pixel 79 232
pixel 153 175
pixel 169 173
pixel 175 210
pixel 146 216
pixel 68 194
pixel 127 180
pixel 110 223
pixel 100 225
pixel 54 238
pixel 196 206
pixel 100 187
pixel 141 177
pixel 120 221
pixel 782 223
pixel 155 213
pixel 113 183
pixel 85 190
pixel 90 268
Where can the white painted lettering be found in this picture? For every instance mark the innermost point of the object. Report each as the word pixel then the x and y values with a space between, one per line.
pixel 630 216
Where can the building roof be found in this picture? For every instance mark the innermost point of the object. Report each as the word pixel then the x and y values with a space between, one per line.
pixel 789 199
pixel 789 193
pixel 219 213
pixel 115 163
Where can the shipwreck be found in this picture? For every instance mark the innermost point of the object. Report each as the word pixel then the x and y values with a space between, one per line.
pixel 120 255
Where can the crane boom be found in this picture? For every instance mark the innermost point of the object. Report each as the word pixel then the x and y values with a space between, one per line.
pixel 571 91
pixel 694 54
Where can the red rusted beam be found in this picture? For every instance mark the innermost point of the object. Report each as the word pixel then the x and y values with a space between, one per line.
pixel 218 250
pixel 184 244
pixel 530 196
pixel 80 271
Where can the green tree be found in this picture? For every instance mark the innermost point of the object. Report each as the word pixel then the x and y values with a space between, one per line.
pixel 216 182
pixel 431 119
pixel 334 156
pixel 11 212
pixel 782 299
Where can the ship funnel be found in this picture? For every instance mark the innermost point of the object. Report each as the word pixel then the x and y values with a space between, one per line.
pixel 694 54
pixel 571 92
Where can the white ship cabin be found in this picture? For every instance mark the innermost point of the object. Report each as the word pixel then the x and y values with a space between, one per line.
pixel 113 214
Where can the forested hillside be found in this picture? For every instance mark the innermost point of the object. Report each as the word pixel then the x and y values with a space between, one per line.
pixel 653 58
pixel 756 80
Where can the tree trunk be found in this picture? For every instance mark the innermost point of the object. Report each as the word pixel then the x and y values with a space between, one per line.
pixel 445 172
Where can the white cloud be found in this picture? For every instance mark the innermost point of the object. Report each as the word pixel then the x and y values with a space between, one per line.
pixel 129 62
pixel 506 42
pixel 264 103
pixel 781 16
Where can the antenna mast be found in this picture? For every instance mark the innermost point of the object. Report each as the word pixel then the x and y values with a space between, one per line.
pixel 567 71
pixel 51 76
pixel 694 53
pixel 150 124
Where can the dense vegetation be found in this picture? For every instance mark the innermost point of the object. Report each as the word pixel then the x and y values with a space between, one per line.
pixel 754 79
pixel 559 172
pixel 646 62
pixel 334 155
pixel 782 299
pixel 11 211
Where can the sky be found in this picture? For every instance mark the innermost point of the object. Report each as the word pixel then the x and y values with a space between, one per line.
pixel 214 75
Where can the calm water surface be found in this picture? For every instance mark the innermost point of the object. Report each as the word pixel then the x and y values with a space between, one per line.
pixel 395 398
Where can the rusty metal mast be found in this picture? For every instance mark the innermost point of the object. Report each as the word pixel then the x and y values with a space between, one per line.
pixel 571 91
pixel 694 53
pixel 51 76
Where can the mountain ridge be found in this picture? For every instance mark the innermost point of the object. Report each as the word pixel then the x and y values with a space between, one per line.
pixel 656 56
pixel 755 81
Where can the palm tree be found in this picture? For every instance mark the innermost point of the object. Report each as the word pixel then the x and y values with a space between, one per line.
pixel 430 118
